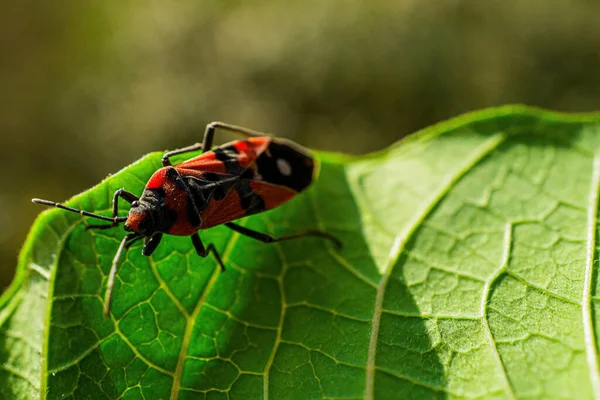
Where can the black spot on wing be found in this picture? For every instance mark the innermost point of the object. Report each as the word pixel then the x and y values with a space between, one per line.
pixel 301 166
pixel 197 199
pixel 250 200
pixel 210 176
pixel 224 153
pixel 248 174
pixel 194 199
pixel 193 213
pixel 228 155
pixel 200 193
pixel 219 192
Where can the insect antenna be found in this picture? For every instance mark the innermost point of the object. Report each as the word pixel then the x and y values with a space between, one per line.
pixel 75 210
pixel 125 244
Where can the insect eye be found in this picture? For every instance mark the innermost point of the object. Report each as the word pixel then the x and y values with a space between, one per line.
pixel 135 204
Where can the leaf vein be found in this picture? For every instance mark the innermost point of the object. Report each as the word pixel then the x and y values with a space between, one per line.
pixel 402 238
pixel 279 328
pixel 431 316
pixel 46 343
pixel 191 320
pixel 138 354
pixel 540 289
pixel 239 320
pixel 327 310
pixel 412 380
pixel 322 352
pixel 166 288
pixel 341 260
pixel 485 299
pixel 586 304
pixel 19 374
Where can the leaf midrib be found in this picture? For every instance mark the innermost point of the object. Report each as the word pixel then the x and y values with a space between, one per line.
pixel 586 307
pixel 53 268
pixel 402 238
pixel 508 233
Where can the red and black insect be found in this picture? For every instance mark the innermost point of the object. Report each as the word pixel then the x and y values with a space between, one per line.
pixel 232 181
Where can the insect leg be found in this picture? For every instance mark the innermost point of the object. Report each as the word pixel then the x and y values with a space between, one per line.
pixel 204 251
pixel 209 133
pixel 125 195
pixel 263 237
pixel 125 244
pixel 165 159
pixel 151 243
pixel 207 142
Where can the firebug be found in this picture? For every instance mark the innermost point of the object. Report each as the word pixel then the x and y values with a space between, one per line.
pixel 220 185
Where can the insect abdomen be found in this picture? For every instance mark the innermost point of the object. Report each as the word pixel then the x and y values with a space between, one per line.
pixel 286 164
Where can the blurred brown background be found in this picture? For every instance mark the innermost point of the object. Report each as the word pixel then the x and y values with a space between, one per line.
pixel 87 87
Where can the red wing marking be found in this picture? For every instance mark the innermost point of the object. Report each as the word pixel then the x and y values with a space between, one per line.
pixel 177 200
pixel 243 152
pixel 200 173
pixel 201 164
pixel 218 212
pixel 272 195
pixel 260 143
pixel 157 179
pixel 230 207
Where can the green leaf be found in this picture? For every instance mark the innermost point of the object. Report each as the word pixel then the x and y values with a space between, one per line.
pixel 469 270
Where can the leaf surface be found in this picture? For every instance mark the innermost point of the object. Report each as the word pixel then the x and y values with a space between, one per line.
pixel 469 270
